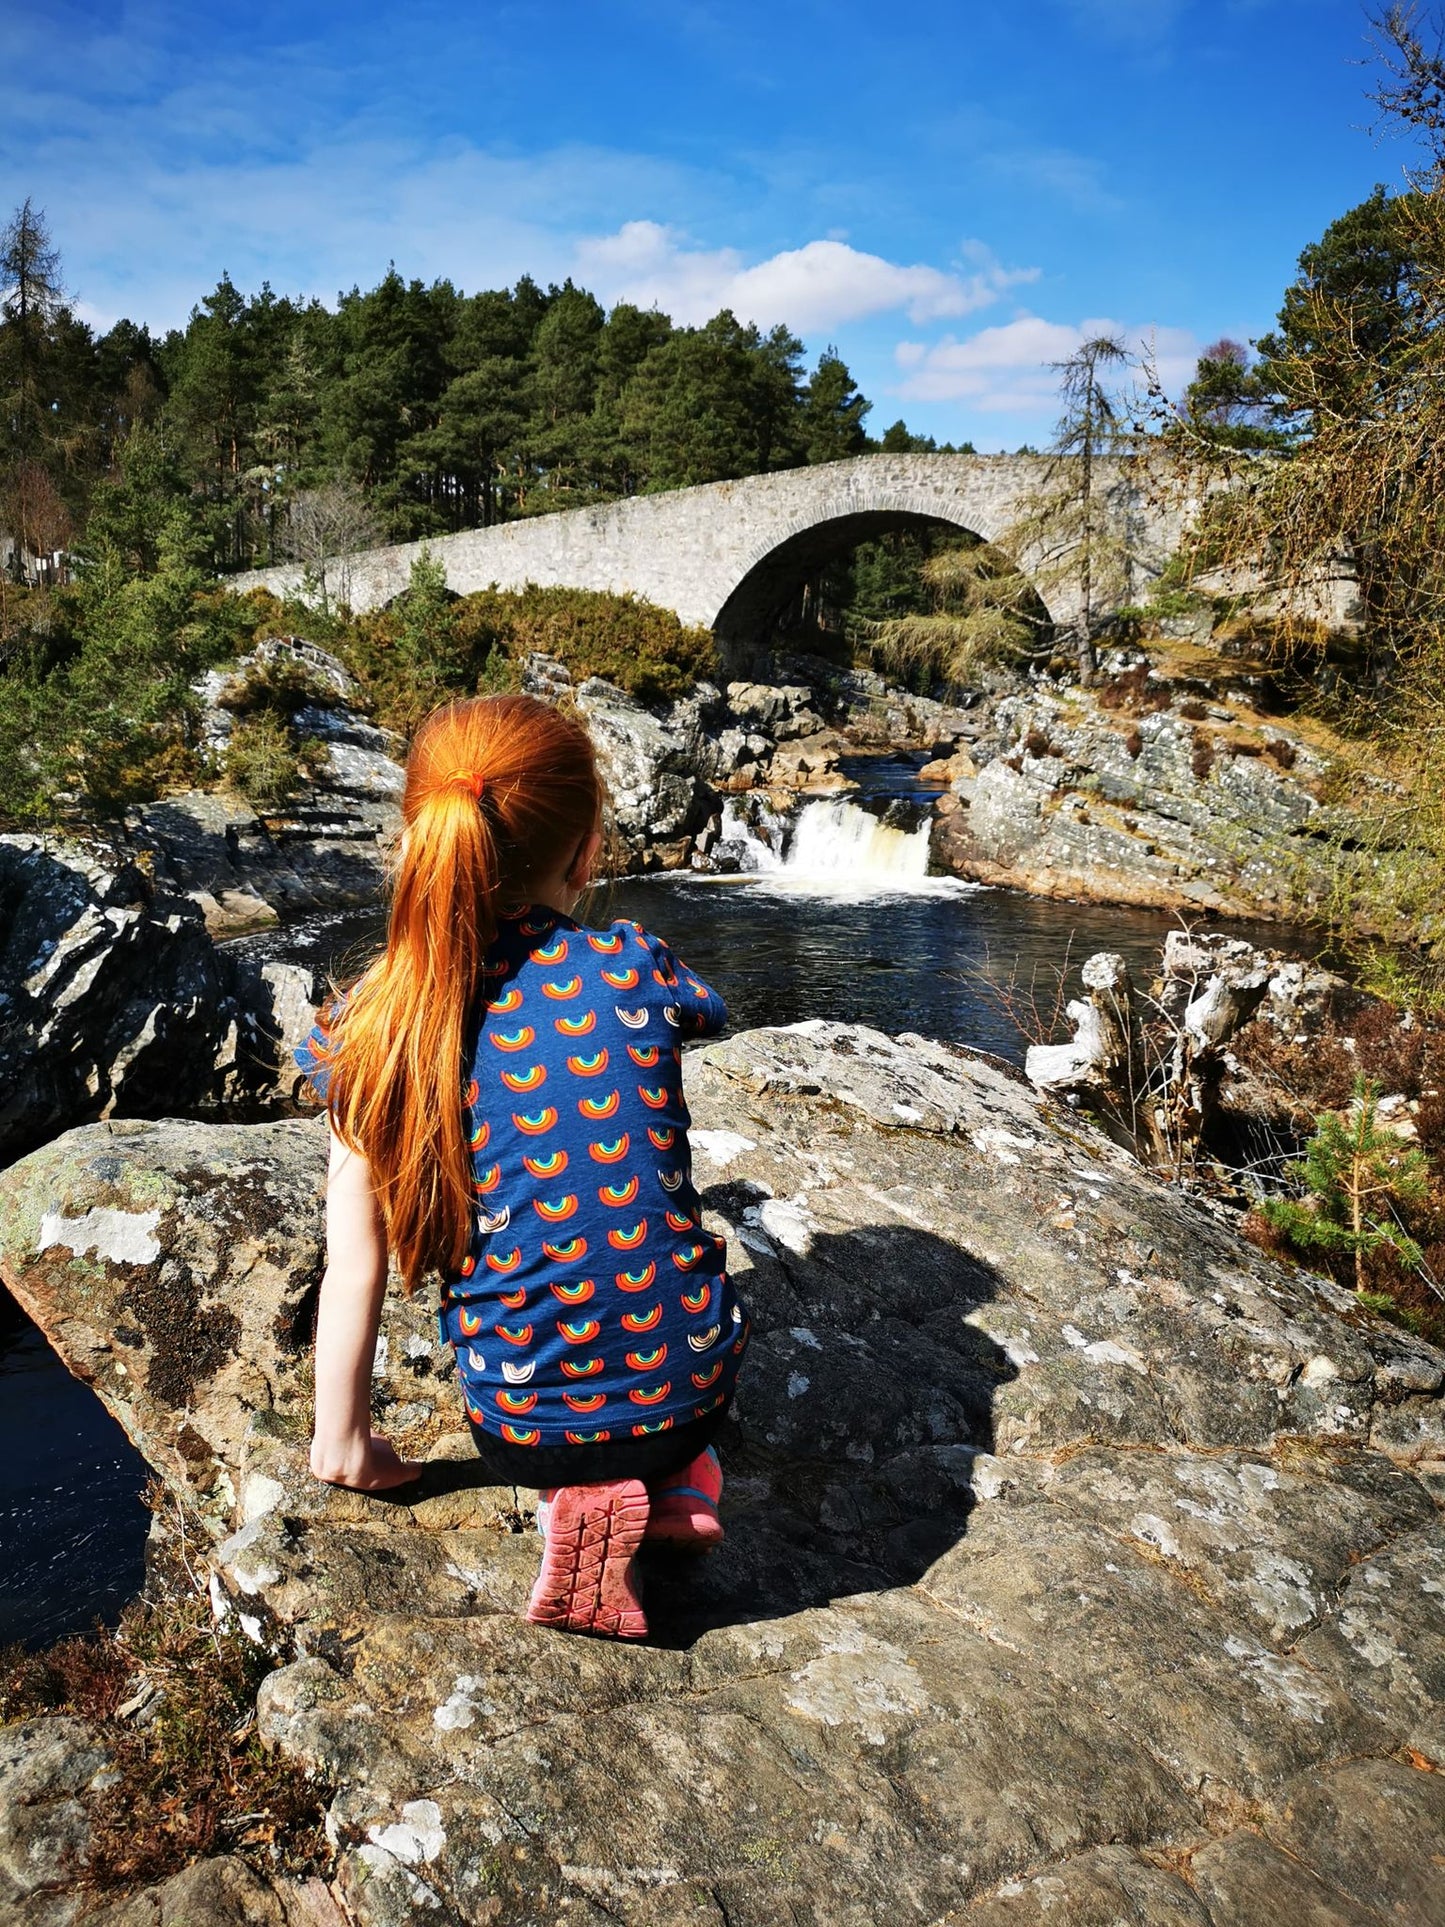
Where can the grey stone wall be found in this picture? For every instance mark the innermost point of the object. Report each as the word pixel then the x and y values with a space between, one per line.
pixel 724 554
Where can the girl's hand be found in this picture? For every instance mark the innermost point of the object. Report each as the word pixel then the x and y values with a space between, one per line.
pixel 377 1467
pixel 344 1449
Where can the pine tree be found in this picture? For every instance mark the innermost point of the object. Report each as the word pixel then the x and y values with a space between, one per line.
pixel 1355 1171
pixel 833 412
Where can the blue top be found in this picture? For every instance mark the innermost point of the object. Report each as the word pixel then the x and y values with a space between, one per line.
pixel 592 1305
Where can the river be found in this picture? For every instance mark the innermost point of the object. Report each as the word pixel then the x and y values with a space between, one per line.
pixel 848 926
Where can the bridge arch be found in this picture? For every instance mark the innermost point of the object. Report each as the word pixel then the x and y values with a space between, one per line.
pixel 769 574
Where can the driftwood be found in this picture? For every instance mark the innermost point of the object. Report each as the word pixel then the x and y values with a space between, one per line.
pixel 1099 1058
pixel 1154 1080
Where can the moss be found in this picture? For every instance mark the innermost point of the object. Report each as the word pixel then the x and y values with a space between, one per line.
pixel 190 1340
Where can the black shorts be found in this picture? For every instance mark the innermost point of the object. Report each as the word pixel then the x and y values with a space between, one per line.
pixel 651 1457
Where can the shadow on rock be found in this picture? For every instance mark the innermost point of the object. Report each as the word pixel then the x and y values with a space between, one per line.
pixel 866 1398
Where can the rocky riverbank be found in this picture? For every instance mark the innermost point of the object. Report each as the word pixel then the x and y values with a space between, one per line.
pixel 323 850
pixel 1082 1563
pixel 1172 783
pixel 671 772
pixel 1163 786
pixel 1154 787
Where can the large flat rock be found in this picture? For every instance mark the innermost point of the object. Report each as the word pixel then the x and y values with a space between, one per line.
pixel 1083 1565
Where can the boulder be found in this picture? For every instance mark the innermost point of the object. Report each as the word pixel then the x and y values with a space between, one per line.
pixel 956 767
pixel 115 1002
pixel 112 995
pixel 223 1892
pixel 50 1770
pixel 649 764
pixel 782 710
pixel 1083 1564
pixel 808 763
pixel 875 713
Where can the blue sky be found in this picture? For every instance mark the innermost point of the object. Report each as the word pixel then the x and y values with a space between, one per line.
pixel 948 192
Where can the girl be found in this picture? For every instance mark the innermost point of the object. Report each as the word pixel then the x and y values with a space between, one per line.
pixel 505 1095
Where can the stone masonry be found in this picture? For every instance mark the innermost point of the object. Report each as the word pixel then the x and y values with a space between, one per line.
pixel 725 555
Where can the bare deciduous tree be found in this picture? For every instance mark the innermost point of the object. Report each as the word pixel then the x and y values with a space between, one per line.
pixel 32 508
pixel 1062 527
pixel 323 527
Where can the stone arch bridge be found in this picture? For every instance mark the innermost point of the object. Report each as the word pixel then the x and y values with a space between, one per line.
pixel 727 555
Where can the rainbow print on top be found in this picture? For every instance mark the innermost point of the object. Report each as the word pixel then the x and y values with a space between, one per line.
pixel 592 1287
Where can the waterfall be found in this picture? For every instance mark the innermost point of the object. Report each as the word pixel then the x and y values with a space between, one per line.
pixel 830 846
pixel 759 855
pixel 836 842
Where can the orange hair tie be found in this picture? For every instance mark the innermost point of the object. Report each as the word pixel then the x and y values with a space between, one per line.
pixel 473 779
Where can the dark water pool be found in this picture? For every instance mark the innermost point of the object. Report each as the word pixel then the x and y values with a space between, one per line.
pixel 941 962
pixel 935 959
pixel 72 1526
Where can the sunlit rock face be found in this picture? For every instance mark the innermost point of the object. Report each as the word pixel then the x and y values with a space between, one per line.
pixel 325 849
pixel 1082 1563
pixel 1197 811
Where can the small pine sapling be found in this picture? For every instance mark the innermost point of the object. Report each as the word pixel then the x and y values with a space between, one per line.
pixel 1355 1170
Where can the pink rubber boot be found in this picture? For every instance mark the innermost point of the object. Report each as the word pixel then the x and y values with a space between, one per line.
pixel 591 1534
pixel 684 1505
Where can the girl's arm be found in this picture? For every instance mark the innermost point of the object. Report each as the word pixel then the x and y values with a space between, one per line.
pixel 344 1449
pixel 701 1011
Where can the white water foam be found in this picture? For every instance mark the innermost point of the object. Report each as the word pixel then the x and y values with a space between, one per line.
pixel 834 837
pixel 836 848
pixel 759 857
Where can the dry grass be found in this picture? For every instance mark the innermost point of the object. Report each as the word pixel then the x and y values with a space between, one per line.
pixel 174 1700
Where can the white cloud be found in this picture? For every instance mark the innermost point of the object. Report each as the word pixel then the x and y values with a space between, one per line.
pixel 1138 21
pixel 819 286
pixel 1007 368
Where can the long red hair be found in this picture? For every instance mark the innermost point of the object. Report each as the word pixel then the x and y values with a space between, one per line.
pixel 500 793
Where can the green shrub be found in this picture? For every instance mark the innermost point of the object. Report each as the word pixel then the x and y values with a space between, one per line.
pixel 263 760
pixel 643 649
pixel 429 647
pixel 1177 602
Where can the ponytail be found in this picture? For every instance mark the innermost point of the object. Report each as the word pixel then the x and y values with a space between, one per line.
pixel 499 791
